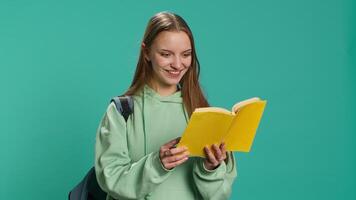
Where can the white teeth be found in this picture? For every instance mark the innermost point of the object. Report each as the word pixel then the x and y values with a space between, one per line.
pixel 174 72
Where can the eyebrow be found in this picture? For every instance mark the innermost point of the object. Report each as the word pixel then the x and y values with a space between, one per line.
pixel 173 52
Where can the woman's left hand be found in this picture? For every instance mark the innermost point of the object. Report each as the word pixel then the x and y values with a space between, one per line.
pixel 215 156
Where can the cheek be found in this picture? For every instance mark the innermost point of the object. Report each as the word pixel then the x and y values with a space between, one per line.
pixel 187 62
pixel 185 70
pixel 162 62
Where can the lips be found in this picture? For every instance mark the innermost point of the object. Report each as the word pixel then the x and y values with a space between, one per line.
pixel 173 73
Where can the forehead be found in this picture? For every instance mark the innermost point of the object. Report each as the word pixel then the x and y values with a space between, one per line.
pixel 172 40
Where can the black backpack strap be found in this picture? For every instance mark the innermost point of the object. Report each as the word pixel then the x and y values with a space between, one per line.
pixel 88 189
pixel 124 105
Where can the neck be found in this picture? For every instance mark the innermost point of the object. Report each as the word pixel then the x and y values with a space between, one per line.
pixel 161 89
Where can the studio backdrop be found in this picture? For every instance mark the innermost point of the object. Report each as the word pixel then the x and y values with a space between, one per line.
pixel 62 61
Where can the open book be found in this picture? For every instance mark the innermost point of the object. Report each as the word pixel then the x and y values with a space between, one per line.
pixel 212 125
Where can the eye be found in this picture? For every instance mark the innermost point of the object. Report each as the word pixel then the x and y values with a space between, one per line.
pixel 187 54
pixel 165 54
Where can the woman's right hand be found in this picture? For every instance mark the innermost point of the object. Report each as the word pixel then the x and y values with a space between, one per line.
pixel 172 156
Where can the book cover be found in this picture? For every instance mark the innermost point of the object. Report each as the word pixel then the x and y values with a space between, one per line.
pixel 213 125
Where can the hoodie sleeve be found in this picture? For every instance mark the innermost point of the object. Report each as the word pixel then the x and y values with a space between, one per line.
pixel 116 173
pixel 215 184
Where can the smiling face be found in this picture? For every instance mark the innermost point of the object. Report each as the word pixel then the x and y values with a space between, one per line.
pixel 171 56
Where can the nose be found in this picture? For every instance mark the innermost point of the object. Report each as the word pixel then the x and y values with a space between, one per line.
pixel 177 64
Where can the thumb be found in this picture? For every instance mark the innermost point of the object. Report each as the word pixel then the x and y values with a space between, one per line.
pixel 172 143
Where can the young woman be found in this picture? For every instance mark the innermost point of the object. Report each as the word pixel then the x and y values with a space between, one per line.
pixel 138 159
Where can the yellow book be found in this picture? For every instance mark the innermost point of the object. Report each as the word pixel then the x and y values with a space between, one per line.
pixel 212 125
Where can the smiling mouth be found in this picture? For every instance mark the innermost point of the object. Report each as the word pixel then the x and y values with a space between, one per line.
pixel 173 72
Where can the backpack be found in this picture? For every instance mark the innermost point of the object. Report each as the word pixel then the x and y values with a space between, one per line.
pixel 88 188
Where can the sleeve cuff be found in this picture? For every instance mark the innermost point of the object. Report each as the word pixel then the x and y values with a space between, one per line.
pixel 231 163
pixel 221 169
pixel 212 170
pixel 157 164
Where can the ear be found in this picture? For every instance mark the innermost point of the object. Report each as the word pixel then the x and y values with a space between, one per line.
pixel 146 57
pixel 145 52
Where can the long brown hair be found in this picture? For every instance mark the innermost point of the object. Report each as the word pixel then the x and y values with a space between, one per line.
pixel 192 93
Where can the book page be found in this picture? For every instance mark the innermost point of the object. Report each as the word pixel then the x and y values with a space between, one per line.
pixel 241 104
pixel 213 109
pixel 244 126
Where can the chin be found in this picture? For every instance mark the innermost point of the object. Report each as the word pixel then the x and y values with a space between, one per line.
pixel 172 83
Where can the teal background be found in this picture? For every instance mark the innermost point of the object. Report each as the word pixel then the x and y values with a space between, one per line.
pixel 61 61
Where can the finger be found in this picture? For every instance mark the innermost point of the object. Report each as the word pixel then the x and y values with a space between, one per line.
pixel 167 146
pixel 167 153
pixel 171 143
pixel 223 150
pixel 162 151
pixel 176 163
pixel 176 158
pixel 210 156
pixel 217 153
pixel 178 150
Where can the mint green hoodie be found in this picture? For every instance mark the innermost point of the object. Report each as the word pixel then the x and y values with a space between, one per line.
pixel 127 160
